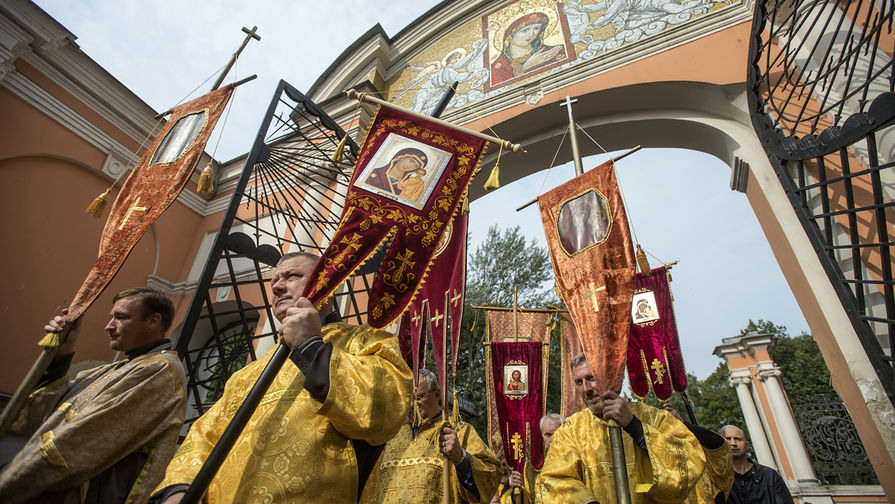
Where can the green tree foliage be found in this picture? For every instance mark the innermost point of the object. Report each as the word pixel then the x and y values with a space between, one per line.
pixel 503 260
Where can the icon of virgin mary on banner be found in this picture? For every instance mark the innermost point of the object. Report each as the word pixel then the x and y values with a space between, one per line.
pixel 593 259
pixel 410 178
pixel 654 352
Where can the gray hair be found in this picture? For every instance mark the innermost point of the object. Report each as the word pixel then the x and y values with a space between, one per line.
pixel 577 361
pixel 551 417
pixel 300 253
pixel 431 379
pixel 728 426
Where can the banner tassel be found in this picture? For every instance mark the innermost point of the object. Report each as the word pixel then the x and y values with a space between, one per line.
pixel 340 149
pixel 455 411
pixel 493 181
pixel 96 207
pixel 206 180
pixel 465 208
pixel 642 261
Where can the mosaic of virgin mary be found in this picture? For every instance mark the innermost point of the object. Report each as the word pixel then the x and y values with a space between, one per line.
pixel 523 49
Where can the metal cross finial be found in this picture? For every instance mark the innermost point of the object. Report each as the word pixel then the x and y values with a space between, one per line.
pixel 250 34
pixel 573 137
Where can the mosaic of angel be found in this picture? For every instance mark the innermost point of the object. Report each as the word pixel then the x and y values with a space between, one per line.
pixel 434 76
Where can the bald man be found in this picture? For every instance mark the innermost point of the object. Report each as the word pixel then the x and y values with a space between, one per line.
pixel 752 482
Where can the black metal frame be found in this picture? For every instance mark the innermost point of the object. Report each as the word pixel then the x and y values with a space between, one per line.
pixel 821 94
pixel 285 200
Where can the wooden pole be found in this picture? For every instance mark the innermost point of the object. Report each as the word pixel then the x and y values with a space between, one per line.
pixel 354 95
pixel 446 469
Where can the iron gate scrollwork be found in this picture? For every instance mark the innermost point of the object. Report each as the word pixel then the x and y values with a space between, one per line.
pixel 821 91
pixel 832 442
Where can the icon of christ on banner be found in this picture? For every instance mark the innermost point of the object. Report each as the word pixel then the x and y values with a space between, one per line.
pixel 515 377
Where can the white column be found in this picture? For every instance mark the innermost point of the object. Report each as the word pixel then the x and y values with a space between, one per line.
pixel 756 432
pixel 789 431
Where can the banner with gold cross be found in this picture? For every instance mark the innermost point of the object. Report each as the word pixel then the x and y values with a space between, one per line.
pixel 519 393
pixel 593 260
pixel 445 285
pixel 152 186
pixel 409 181
pixel 512 326
pixel 654 352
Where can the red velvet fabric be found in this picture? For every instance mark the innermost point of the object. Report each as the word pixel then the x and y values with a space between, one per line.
pixel 570 346
pixel 369 219
pixel 654 352
pixel 594 266
pixel 446 275
pixel 147 192
pixel 519 414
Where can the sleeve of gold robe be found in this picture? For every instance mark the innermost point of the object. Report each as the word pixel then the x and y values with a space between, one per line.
pixel 486 469
pixel 675 461
pixel 370 385
pixel 205 432
pixel 562 476
pixel 126 415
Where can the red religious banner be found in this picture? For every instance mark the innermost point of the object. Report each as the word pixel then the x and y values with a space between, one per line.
pixel 506 326
pixel 654 352
pixel 410 178
pixel 593 260
pixel 570 347
pixel 447 277
pixel 151 187
pixel 519 396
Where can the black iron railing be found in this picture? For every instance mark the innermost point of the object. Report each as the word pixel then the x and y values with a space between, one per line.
pixel 822 100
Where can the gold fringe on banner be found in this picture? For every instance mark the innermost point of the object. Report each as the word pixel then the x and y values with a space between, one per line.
pixel 206 180
pixel 96 207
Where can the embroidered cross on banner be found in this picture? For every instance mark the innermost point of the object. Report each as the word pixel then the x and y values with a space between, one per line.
pixel 593 295
pixel 131 210
pixel 659 369
pixel 516 441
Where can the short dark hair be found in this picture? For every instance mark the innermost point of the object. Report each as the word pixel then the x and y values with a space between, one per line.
pixel 301 253
pixel 151 301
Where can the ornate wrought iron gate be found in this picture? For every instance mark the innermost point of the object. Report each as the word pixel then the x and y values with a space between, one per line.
pixel 822 100
pixel 287 199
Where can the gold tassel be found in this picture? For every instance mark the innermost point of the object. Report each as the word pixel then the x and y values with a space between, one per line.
pixel 417 416
pixel 206 180
pixel 642 261
pixel 96 208
pixel 340 149
pixel 465 208
pixel 493 181
pixel 51 340
pixel 455 411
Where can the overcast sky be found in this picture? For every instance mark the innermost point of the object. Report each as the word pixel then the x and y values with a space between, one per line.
pixel 164 49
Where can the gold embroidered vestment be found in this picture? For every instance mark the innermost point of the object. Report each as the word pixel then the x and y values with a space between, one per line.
pixel 295 449
pixel 578 467
pixel 81 426
pixel 411 468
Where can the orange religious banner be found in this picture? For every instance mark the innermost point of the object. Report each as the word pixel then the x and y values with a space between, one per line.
pixel 151 187
pixel 593 259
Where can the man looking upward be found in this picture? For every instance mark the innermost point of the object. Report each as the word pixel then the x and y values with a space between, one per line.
pixel 320 427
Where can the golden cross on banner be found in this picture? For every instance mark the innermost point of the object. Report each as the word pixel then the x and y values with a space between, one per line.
pixel 416 318
pixel 131 210
pixel 659 369
pixel 516 441
pixel 593 295
pixel 456 298
pixel 437 318
pixel 351 245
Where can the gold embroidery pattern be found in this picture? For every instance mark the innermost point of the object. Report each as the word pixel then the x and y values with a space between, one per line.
pixel 407 462
pixel 53 456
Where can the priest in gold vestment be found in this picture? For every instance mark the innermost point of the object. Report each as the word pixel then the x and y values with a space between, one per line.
pixel 320 427
pixel 717 479
pixel 412 463
pixel 106 433
pixel 664 460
